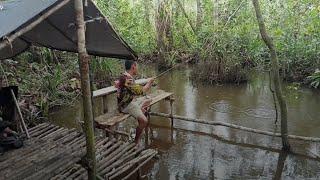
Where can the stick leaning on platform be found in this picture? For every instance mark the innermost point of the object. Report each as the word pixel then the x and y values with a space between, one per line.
pixel 20 114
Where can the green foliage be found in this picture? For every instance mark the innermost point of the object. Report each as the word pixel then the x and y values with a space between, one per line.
pixel 131 22
pixel 315 79
pixel 104 71
pixel 43 83
pixel 228 28
pixel 47 80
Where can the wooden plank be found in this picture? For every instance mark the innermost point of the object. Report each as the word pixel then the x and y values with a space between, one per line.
pixel 105 119
pixel 112 89
pixel 158 96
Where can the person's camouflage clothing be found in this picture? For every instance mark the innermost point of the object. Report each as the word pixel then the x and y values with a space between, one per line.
pixel 127 90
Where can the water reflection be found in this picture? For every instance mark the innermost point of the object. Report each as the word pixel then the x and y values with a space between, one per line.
pixel 201 156
pixel 196 157
pixel 282 158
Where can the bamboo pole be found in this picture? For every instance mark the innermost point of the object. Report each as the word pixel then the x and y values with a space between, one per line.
pixel 217 123
pixel 9 39
pixel 171 111
pixel 276 79
pixel 86 90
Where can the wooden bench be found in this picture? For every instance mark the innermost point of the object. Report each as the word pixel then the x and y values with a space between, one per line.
pixel 104 92
pixel 107 120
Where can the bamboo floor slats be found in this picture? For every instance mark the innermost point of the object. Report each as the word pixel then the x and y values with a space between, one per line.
pixel 54 152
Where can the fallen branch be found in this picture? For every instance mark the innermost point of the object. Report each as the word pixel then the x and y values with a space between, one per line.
pixel 217 123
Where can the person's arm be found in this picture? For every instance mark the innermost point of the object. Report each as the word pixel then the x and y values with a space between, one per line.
pixel 138 89
pixel 147 87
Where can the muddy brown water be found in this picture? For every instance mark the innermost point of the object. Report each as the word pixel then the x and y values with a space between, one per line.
pixel 195 151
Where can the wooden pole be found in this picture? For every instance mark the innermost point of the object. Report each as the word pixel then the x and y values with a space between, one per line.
pixel 86 90
pixel 276 78
pixel 146 129
pixel 20 114
pixel 105 104
pixel 171 111
pixel 217 123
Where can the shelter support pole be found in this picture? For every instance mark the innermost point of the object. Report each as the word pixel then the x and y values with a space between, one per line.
pixel 234 126
pixel 20 32
pixel 86 90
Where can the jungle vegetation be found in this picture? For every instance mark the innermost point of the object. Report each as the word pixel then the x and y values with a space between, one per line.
pixel 222 35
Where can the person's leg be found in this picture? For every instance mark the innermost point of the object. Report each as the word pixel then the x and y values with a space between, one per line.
pixel 145 106
pixel 143 121
pixel 135 110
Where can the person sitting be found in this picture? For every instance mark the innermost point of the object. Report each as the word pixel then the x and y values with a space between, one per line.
pixel 9 139
pixel 128 93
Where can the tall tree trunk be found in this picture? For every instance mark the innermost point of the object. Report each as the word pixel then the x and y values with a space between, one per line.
pixel 199 15
pixel 160 29
pixel 147 6
pixel 276 79
pixel 186 16
pixel 215 13
pixel 86 91
pixel 169 34
pixel 164 32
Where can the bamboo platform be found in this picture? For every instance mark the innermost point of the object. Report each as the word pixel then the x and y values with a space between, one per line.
pixel 55 153
pixel 107 120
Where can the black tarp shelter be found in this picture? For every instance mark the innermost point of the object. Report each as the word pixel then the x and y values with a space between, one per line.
pixel 57 30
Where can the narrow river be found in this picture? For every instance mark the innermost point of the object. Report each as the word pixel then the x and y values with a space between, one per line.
pixel 194 151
